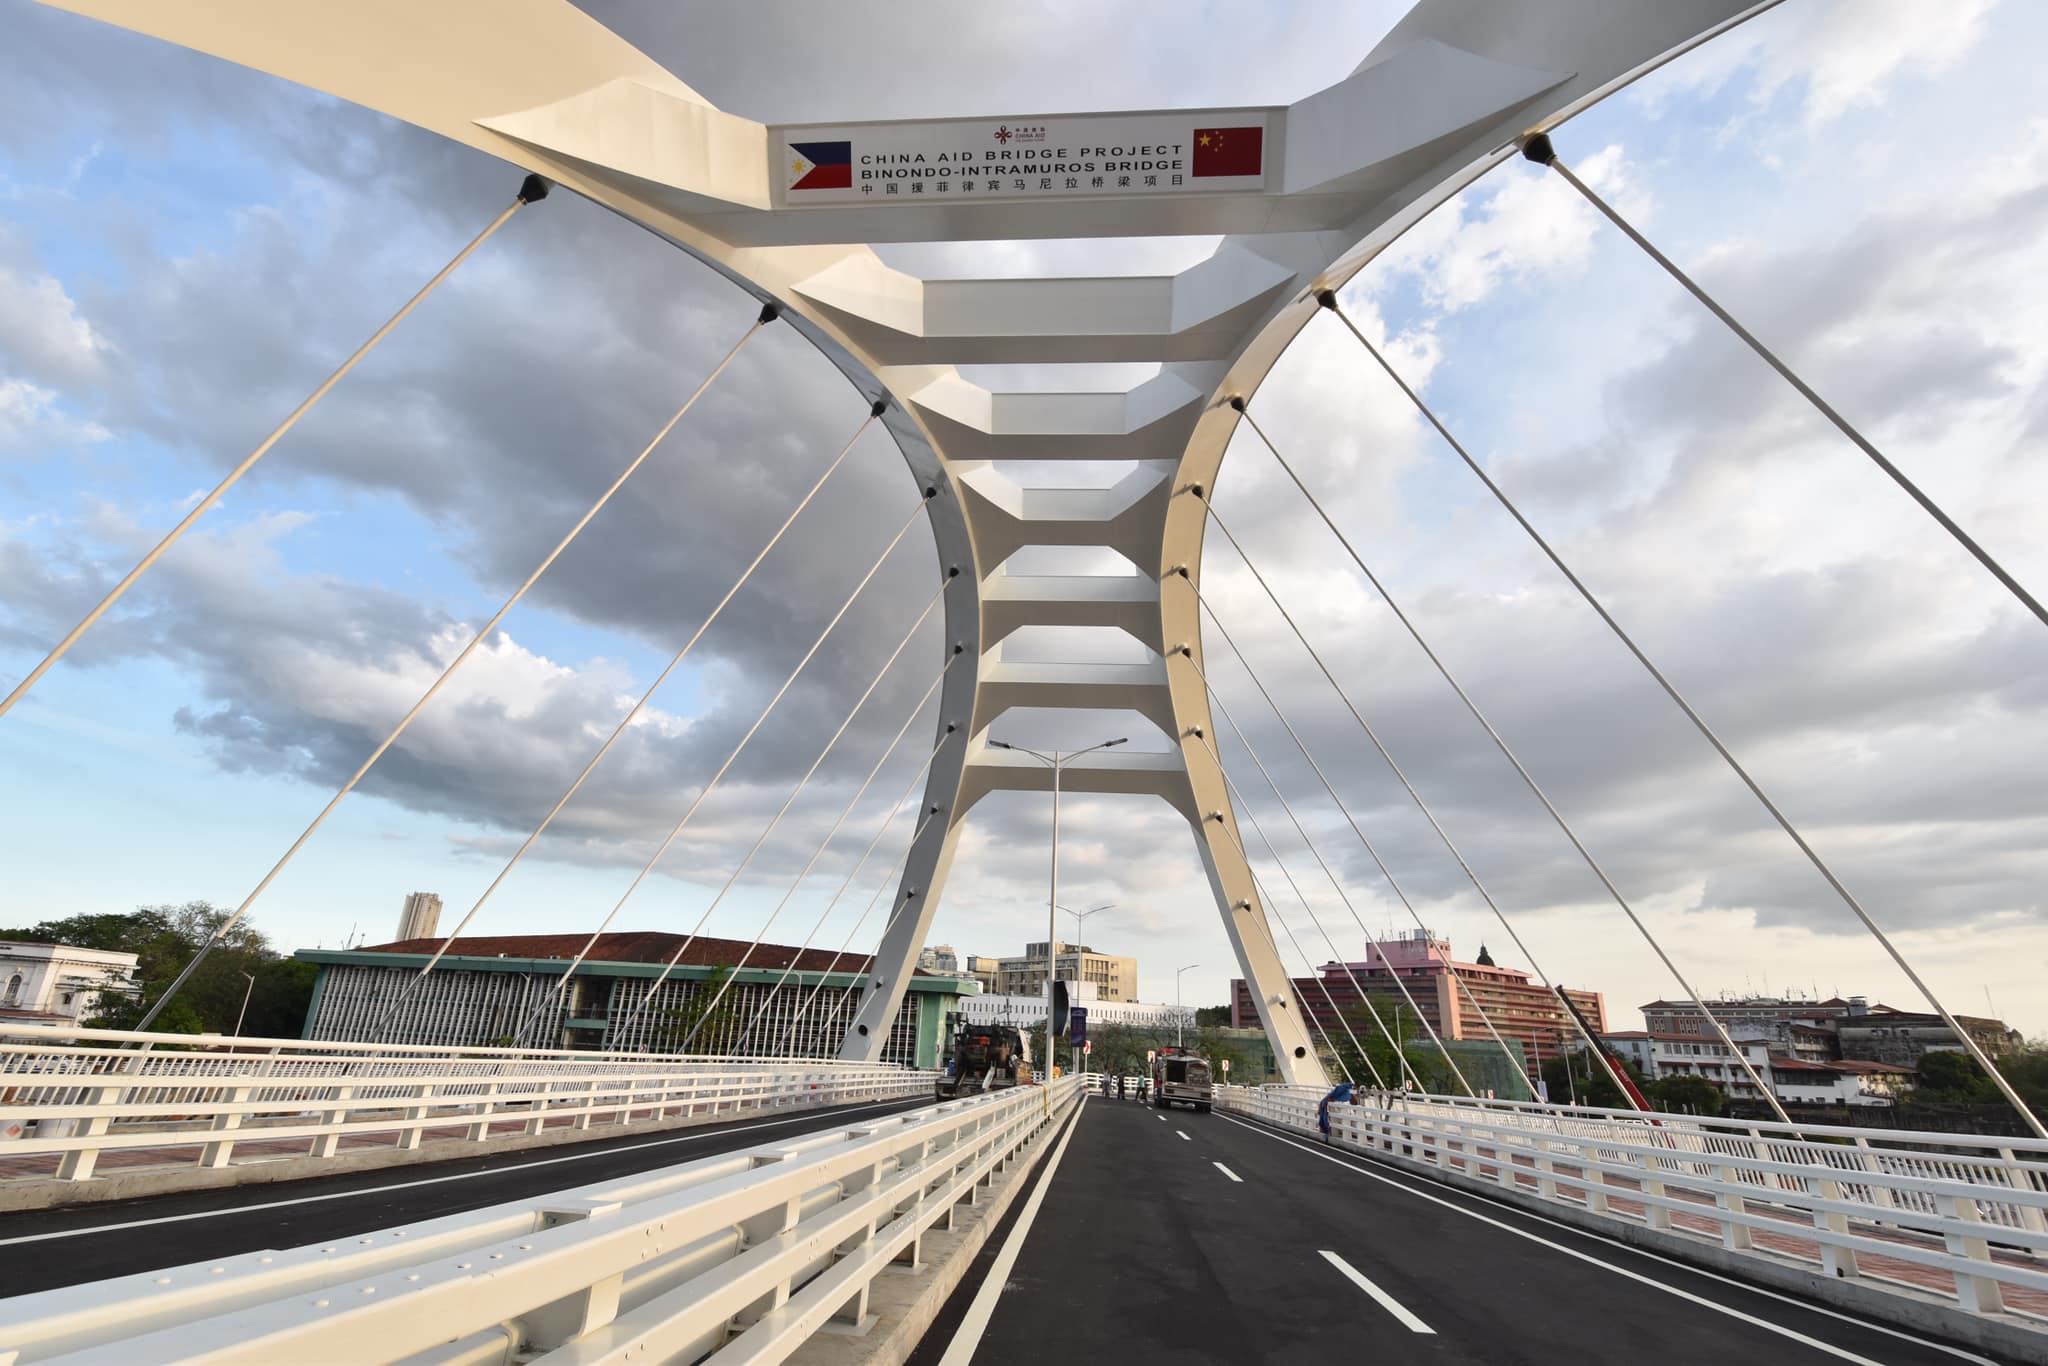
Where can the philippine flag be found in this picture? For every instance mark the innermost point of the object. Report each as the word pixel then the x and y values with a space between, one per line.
pixel 821 165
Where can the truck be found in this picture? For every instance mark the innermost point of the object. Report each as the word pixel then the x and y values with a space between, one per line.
pixel 1180 1077
pixel 984 1058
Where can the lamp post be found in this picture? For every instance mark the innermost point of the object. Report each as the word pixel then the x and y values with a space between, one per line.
pixel 243 1013
pixel 1179 1018
pixel 1055 761
pixel 1080 916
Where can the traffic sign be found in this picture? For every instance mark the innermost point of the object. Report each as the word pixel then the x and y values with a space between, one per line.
pixel 1226 1067
pixel 1087 1047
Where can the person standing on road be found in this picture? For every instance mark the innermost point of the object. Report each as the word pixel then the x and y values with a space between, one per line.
pixel 1339 1097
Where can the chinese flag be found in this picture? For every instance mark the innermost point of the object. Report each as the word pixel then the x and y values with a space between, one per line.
pixel 1229 151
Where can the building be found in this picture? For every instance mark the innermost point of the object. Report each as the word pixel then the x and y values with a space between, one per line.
pixel 1660 1055
pixel 421 916
pixel 1027 1011
pixel 1900 1037
pixel 1835 1030
pixel 1116 979
pixel 939 958
pixel 1796 1080
pixel 982 969
pixel 1523 1011
pixel 59 984
pixel 499 990
pixel 1751 1016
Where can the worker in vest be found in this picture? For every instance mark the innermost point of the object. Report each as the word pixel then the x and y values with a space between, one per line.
pixel 1339 1097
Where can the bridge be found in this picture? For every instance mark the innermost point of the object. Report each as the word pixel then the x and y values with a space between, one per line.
pixel 787 1190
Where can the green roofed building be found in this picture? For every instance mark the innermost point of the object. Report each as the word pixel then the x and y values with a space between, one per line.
pixel 500 990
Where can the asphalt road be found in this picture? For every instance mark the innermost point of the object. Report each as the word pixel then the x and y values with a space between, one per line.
pixel 1204 1238
pixel 47 1248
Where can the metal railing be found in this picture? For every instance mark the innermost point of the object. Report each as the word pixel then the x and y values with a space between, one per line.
pixel 1956 1214
pixel 741 1256
pixel 78 1096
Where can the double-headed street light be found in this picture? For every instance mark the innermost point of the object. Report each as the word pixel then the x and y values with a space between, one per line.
pixel 1055 761
pixel 1080 916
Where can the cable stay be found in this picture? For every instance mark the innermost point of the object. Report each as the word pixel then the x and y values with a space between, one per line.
pixel 768 315
pixel 1594 1044
pixel 531 191
pixel 1329 301
pixel 1820 865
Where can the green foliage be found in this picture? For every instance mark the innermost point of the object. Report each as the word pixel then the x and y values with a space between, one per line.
pixel 1685 1095
pixel 165 938
pixel 1952 1078
pixel 1374 1051
pixel 1213 1017
pixel 2027 1069
pixel 1578 1078
pixel 696 1024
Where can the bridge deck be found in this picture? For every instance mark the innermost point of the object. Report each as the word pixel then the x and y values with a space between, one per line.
pixel 75 1244
pixel 1145 1249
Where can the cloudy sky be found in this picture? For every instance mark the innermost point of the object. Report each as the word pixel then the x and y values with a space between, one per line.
pixel 187 247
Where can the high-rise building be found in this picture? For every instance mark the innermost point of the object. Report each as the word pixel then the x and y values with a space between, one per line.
pixel 421 916
pixel 1523 1011
pixel 939 958
pixel 1115 979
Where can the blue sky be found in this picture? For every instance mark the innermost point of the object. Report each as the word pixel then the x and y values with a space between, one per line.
pixel 185 247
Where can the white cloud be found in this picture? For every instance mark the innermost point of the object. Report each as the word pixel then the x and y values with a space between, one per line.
pixel 42 332
pixel 1521 225
pixel 32 418
pixel 1839 56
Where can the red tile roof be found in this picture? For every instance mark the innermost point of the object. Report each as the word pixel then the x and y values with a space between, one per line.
pixel 633 946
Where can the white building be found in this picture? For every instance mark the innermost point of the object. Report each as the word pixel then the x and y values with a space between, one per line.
pixel 991 1008
pixel 59 982
pixel 1796 1080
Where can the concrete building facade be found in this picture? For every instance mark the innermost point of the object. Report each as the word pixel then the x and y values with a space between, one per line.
pixel 1523 1011
pixel 60 983
pixel 499 990
pixel 1115 978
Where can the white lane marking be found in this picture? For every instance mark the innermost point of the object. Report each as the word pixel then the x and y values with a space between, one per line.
pixel 967 1337
pixel 1227 1172
pixel 426 1180
pixel 1160 1118
pixel 1184 1135
pixel 1574 1253
pixel 1616 1245
pixel 1381 1297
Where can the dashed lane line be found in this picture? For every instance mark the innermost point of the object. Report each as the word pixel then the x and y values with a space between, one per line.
pixel 1780 1329
pixel 1227 1172
pixel 1380 1297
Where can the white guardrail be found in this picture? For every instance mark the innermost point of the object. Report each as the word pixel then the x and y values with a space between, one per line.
pixel 1954 1214
pixel 741 1256
pixel 76 1097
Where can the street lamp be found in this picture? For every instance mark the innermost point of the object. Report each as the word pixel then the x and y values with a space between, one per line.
pixel 242 1014
pixel 1055 761
pixel 1179 1018
pixel 1080 916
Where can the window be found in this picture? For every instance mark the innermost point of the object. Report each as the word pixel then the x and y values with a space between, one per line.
pixel 14 990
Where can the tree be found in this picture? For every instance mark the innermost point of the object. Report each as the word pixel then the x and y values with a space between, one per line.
pixel 1684 1095
pixel 1374 1052
pixel 1952 1078
pixel 698 1025
pixel 1578 1075
pixel 1212 1017
pixel 164 939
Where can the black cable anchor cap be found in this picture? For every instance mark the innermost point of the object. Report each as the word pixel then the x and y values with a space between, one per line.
pixel 1237 403
pixel 769 313
pixel 878 407
pixel 1327 298
pixel 1536 147
pixel 534 188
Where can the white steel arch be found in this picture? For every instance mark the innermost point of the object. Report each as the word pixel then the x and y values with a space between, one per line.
pixel 1324 186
